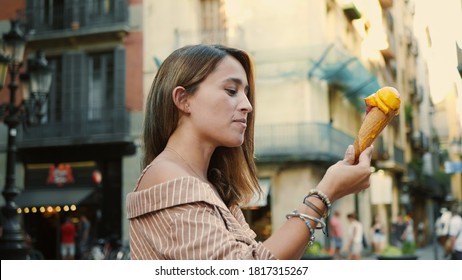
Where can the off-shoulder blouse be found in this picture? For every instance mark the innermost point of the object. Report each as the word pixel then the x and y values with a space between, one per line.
pixel 185 219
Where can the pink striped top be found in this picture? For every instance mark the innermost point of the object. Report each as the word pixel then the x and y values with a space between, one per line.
pixel 185 219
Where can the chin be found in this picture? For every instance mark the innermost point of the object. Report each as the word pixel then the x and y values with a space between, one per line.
pixel 234 144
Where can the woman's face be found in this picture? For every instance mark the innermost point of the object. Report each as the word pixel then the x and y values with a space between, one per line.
pixel 219 107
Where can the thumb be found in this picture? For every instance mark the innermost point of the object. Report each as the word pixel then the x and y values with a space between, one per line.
pixel 366 155
pixel 349 155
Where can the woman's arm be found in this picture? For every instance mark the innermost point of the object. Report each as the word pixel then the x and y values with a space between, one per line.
pixel 289 241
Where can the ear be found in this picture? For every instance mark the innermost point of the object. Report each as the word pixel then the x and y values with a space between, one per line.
pixel 180 98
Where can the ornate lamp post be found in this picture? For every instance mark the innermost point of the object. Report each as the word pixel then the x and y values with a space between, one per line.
pixel 36 85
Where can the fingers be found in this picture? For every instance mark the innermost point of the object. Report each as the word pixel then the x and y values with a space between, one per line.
pixel 366 155
pixel 349 155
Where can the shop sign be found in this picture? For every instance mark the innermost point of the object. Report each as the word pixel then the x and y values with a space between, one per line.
pixel 451 167
pixel 60 174
pixel 64 174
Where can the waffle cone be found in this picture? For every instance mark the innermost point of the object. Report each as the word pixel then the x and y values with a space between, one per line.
pixel 374 122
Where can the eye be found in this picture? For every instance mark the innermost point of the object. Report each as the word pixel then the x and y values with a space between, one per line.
pixel 231 91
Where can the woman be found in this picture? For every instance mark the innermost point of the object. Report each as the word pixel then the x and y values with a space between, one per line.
pixel 378 235
pixel 337 233
pixel 199 165
pixel 355 237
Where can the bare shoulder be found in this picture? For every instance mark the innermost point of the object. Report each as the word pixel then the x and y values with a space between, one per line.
pixel 159 172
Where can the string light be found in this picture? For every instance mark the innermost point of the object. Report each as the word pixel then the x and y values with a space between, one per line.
pixel 49 209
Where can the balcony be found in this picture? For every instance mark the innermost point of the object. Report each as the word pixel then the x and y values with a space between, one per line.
pixel 388 158
pixel 420 141
pixel 227 36
pixel 300 142
pixel 52 20
pixel 79 127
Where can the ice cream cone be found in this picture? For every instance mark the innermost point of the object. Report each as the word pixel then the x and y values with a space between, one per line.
pixel 374 122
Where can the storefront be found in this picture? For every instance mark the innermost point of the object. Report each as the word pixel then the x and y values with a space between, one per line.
pixel 54 191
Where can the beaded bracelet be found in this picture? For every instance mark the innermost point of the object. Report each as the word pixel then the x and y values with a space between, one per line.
pixel 323 198
pixel 307 222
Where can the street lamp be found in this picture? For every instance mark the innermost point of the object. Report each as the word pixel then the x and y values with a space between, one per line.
pixel 29 111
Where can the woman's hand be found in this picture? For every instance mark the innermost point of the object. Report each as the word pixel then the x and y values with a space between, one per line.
pixel 344 178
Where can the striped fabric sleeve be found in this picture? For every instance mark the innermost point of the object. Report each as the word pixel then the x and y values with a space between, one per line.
pixel 201 233
pixel 194 232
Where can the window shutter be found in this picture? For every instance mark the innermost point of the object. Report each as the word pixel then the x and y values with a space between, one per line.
pixel 74 88
pixel 119 85
pixel 120 10
pixel 31 13
pixel 119 77
pixel 71 13
pixel 85 7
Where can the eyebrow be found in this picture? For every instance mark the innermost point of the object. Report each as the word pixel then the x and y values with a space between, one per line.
pixel 239 82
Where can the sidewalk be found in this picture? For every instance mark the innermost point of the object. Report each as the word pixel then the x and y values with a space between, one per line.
pixel 429 252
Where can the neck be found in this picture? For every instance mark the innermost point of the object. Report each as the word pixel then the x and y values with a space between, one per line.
pixel 201 174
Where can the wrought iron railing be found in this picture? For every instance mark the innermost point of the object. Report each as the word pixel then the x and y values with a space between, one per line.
pixel 300 141
pixel 84 126
pixel 44 16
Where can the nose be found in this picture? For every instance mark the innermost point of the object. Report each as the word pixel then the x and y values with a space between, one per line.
pixel 245 105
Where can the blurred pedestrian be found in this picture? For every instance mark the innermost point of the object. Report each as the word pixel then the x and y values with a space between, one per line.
pixel 377 235
pixel 84 236
pixel 408 234
pixel 336 232
pixel 442 226
pixel 421 234
pixel 355 237
pixel 68 232
pixel 454 247
pixel 397 229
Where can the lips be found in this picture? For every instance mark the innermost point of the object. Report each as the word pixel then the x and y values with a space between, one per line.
pixel 241 121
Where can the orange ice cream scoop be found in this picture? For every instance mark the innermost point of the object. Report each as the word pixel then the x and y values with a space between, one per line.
pixel 381 107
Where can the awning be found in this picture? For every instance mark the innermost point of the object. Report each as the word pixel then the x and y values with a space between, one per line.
pixel 53 197
pixel 340 68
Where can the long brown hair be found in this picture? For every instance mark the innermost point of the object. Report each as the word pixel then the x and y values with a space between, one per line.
pixel 231 170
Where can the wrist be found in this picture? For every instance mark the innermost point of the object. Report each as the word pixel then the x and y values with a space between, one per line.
pixel 328 189
pixel 322 197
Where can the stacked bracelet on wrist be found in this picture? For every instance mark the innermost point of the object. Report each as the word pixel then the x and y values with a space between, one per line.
pixel 307 218
pixel 320 195
pixel 307 222
pixel 313 207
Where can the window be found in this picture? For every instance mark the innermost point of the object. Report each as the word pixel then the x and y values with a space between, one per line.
pixel 213 22
pixel 87 86
pixel 100 87
pixel 51 13
pixel 55 109
pixel 99 9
